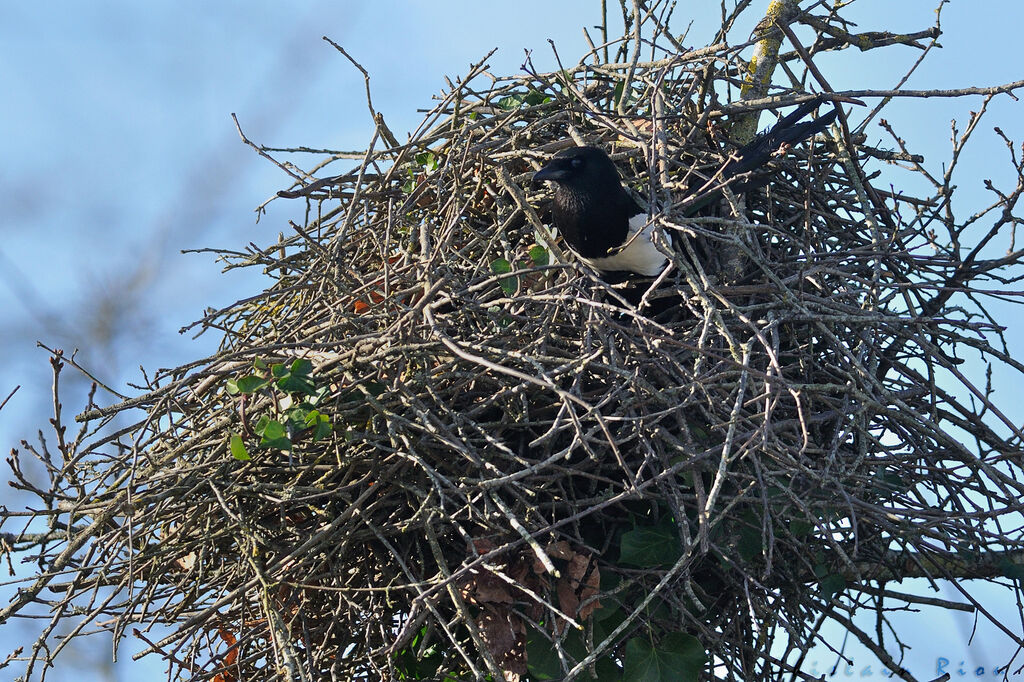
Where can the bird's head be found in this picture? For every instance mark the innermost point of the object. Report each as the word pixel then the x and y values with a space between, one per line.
pixel 590 208
pixel 581 169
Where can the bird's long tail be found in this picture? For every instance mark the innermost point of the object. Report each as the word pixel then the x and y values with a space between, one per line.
pixel 788 130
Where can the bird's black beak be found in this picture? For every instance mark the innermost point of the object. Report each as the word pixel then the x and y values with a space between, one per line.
pixel 555 171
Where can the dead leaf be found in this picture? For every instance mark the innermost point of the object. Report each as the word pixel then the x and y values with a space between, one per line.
pixel 229 658
pixel 504 634
pixel 186 562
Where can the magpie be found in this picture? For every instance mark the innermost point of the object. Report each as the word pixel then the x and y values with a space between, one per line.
pixel 604 225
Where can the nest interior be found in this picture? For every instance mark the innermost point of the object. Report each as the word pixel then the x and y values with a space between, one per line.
pixel 437 444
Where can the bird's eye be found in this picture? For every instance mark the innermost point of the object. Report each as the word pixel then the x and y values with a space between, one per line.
pixel 576 163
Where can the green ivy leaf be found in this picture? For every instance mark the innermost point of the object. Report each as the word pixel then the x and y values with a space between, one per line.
pixel 679 657
pixel 296 378
pixel 273 434
pixel 510 102
pixel 427 160
pixel 800 528
pixel 539 255
pixel 500 266
pixel 272 429
pixel 650 546
pixel 831 585
pixel 246 385
pixel 607 669
pixel 416 663
pixel 295 417
pixel 297 384
pixel 238 449
pixel 302 367
pixel 355 395
pixel 541 657
pixel 320 424
pixel 617 94
pixel 518 100
pixel 606 620
pixel 748 542
pixel 536 97
pixel 543 660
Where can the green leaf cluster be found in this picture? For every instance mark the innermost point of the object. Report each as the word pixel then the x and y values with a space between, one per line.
pixel 539 257
pixel 296 399
pixel 421 659
pixel 675 657
pixel 523 100
pixel 425 162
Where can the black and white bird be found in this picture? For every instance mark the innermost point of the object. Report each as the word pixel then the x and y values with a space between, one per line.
pixel 602 223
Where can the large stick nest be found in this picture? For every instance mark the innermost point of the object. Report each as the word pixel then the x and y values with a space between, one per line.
pixel 524 471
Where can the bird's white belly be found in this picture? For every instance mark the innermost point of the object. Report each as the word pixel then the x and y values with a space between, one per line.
pixel 640 255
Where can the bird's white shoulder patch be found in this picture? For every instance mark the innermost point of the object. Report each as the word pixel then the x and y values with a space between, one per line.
pixel 639 255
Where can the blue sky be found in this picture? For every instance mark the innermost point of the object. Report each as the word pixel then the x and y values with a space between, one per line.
pixel 119 150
